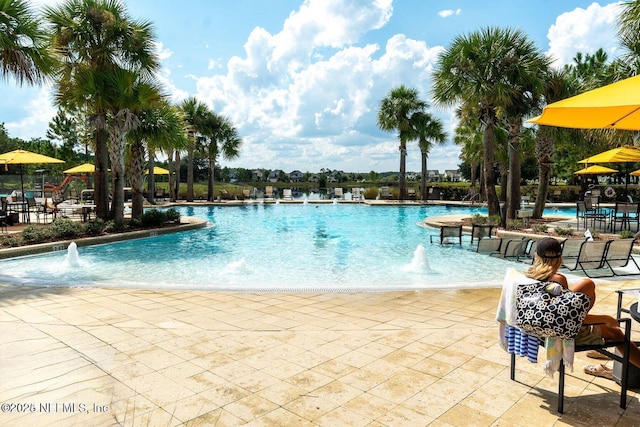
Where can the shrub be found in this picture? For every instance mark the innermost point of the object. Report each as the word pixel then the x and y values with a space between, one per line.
pixel 10 240
pixel 540 228
pixel 626 234
pixel 479 219
pixel 172 215
pixel 153 218
pixel 37 234
pixel 563 231
pixel 65 228
pixel 514 224
pixel 494 219
pixel 115 226
pixel 94 227
pixel 370 193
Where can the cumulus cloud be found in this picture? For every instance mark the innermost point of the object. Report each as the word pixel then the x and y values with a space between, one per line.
pixel 313 88
pixel 449 12
pixel 584 30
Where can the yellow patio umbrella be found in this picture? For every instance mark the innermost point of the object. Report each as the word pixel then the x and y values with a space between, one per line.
pixel 83 168
pixel 614 106
pixel 635 173
pixel 23 157
pixel 157 170
pixel 595 170
pixel 626 154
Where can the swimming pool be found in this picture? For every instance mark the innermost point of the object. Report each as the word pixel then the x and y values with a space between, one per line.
pixel 277 247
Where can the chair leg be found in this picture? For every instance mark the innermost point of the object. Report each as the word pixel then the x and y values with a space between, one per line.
pixel 561 388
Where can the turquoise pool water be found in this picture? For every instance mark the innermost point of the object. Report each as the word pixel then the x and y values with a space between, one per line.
pixel 277 247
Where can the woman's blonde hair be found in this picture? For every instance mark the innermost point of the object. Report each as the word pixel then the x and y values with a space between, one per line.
pixel 543 268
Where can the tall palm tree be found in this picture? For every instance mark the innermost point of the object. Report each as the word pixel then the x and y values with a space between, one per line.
pixel 395 114
pixel 428 131
pixel 161 126
pixel 92 38
pixel 222 139
pixel 195 114
pixel 479 69
pixel 24 52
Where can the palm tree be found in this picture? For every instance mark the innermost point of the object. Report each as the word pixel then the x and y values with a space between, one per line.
pixel 93 38
pixel 395 113
pixel 222 139
pixel 195 114
pixel 428 131
pixel 161 126
pixel 480 69
pixel 24 52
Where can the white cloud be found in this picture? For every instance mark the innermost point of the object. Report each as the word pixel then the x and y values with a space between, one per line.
pixel 584 30
pixel 39 112
pixel 449 12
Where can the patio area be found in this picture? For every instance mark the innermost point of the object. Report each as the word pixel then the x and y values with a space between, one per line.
pixel 129 357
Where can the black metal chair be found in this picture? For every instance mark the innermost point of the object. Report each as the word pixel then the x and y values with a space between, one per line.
pixel 604 349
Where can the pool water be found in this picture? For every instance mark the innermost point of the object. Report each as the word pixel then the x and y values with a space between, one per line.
pixel 278 247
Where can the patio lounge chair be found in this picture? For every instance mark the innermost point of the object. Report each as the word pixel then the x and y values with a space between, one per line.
pixel 338 193
pixel 512 248
pixel 268 192
pixel 619 255
pixel 571 247
pixel 287 194
pixel 449 234
pixel 355 194
pixel 385 193
pixel 590 257
pixel 411 193
pixel 481 231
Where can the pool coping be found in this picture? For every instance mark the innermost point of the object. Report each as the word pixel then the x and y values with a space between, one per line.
pixel 186 224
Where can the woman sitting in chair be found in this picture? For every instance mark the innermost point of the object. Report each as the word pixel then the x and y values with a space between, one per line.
pixel 546 262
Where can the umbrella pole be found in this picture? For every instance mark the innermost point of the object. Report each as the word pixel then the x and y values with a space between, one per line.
pixel 22 182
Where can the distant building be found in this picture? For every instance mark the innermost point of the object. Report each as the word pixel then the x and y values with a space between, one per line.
pixel 433 175
pixel 296 176
pixel 274 175
pixel 257 175
pixel 453 174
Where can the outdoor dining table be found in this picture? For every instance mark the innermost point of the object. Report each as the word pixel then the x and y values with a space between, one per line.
pixel 19 207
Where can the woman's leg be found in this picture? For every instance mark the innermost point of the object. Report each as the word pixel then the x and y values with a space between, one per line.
pixel 586 286
pixel 615 334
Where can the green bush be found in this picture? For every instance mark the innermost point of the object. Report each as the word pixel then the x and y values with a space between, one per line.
pixel 479 219
pixel 540 228
pixel 65 228
pixel 37 234
pixel 370 193
pixel 563 231
pixel 115 226
pixel 514 224
pixel 626 234
pixel 94 227
pixel 172 215
pixel 153 218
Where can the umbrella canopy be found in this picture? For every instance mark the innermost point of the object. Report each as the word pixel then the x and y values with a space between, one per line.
pixel 626 154
pixel 83 168
pixel 23 157
pixel 157 170
pixel 614 106
pixel 635 173
pixel 595 170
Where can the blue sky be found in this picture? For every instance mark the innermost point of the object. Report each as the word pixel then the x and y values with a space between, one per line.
pixel 302 80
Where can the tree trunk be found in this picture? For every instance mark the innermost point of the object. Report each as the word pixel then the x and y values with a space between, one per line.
pixel 403 170
pixel 136 174
pixel 211 195
pixel 190 174
pixel 544 155
pixel 488 143
pixel 513 189
pixel 177 181
pixel 116 154
pixel 101 183
pixel 423 179
pixel 151 180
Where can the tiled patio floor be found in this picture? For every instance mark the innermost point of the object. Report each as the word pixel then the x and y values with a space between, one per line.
pixel 102 357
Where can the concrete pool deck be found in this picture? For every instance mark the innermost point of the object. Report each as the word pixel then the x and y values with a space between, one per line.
pixel 103 357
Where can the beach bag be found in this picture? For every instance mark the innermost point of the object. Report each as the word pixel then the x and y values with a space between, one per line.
pixel 545 315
